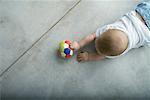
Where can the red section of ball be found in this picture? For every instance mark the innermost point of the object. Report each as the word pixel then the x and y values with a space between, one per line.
pixel 68 56
pixel 68 42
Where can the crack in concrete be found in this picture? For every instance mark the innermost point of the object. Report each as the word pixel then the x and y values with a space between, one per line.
pixel 10 66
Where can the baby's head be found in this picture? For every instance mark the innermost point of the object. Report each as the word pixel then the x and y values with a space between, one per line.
pixel 111 43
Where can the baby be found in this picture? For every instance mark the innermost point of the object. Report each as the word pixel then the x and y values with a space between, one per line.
pixel 113 40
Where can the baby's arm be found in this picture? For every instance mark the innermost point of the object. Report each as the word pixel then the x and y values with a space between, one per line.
pixel 85 56
pixel 87 39
pixel 95 56
pixel 77 45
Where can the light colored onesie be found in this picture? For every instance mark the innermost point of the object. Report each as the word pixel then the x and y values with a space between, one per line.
pixel 137 32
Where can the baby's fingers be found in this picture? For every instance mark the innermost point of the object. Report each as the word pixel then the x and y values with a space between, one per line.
pixel 79 60
pixel 71 46
pixel 79 56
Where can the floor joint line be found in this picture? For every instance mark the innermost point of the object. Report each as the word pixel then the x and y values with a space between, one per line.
pixel 39 38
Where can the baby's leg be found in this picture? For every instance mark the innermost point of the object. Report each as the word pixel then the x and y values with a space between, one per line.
pixel 144 10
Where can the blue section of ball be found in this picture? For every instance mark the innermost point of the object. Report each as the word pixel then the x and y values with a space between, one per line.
pixel 67 51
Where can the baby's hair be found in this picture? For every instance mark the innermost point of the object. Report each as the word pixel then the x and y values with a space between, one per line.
pixel 110 43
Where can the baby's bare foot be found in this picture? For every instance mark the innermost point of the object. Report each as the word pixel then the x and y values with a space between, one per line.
pixel 82 56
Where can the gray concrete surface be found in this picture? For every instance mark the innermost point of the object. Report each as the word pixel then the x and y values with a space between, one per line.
pixel 23 22
pixel 40 74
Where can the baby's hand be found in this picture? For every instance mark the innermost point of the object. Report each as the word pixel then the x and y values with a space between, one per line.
pixel 82 56
pixel 75 45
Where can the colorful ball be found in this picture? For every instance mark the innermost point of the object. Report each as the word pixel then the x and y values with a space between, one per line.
pixel 64 49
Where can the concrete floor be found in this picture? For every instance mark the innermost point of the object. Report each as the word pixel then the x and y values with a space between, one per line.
pixel 29 68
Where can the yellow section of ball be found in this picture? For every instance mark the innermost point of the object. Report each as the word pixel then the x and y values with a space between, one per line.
pixel 61 46
pixel 63 54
